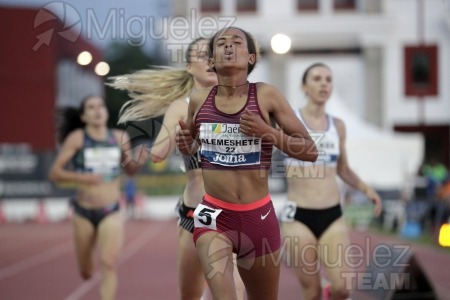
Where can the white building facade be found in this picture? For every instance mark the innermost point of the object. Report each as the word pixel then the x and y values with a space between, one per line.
pixel 364 42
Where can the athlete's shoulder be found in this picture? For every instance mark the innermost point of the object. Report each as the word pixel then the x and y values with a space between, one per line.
pixel 119 135
pixel 263 86
pixel 178 107
pixel 180 101
pixel 201 94
pixel 337 121
pixel 339 124
pixel 198 98
pixel 266 89
pixel 117 132
pixel 76 135
pixel 75 138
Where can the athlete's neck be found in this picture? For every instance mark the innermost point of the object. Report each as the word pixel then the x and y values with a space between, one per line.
pixel 97 132
pixel 233 86
pixel 232 89
pixel 314 110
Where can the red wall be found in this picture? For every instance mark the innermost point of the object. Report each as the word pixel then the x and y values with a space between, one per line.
pixel 27 77
pixel 26 82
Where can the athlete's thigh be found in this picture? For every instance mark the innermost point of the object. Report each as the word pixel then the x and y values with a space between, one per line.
pixel 301 252
pixel 190 271
pixel 214 248
pixel 216 255
pixel 334 244
pixel 110 237
pixel 239 284
pixel 261 275
pixel 84 236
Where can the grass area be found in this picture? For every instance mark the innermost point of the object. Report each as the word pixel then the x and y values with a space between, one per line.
pixel 425 239
pixel 162 184
pixel 361 216
pixel 358 215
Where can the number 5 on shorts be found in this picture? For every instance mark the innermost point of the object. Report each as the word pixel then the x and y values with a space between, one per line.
pixel 205 216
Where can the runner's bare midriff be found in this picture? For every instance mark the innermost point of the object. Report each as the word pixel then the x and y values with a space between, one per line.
pixel 96 196
pixel 241 187
pixel 310 188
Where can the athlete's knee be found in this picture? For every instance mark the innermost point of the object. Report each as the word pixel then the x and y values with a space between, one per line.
pixel 190 294
pixel 339 292
pixel 312 292
pixel 108 263
pixel 86 274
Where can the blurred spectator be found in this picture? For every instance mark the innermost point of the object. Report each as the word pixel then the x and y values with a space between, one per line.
pixel 435 173
pixel 130 191
pixel 442 205
pixel 443 192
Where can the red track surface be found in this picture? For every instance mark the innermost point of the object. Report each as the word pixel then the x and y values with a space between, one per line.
pixel 38 262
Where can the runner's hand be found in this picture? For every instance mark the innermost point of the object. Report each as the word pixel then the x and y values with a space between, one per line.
pixel 184 138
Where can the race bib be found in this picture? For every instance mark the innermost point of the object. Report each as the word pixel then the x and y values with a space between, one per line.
pixel 102 160
pixel 205 216
pixel 288 213
pixel 224 144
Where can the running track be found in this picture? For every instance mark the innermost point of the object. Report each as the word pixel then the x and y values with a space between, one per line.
pixel 37 262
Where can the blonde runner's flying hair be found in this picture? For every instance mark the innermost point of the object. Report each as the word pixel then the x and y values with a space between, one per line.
pixel 151 91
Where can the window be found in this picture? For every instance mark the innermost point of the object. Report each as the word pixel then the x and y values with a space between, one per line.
pixel 246 5
pixel 307 5
pixel 421 70
pixel 210 6
pixel 344 4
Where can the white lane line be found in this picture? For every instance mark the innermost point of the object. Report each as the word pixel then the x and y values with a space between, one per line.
pixel 128 252
pixel 36 260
